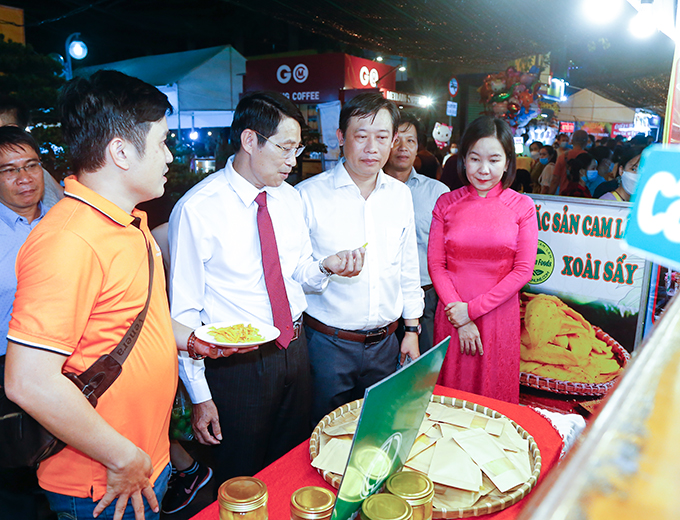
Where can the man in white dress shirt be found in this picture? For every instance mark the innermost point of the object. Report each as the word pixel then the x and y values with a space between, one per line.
pixel 350 325
pixel 253 406
pixel 425 192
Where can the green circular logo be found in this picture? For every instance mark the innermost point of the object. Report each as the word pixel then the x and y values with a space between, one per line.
pixel 545 263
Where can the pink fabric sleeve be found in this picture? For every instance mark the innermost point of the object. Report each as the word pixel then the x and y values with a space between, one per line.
pixel 436 254
pixel 525 259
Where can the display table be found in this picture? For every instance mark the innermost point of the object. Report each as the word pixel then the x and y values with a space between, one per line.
pixel 293 470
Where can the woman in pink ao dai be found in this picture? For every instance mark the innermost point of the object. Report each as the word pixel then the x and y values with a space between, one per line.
pixel 481 252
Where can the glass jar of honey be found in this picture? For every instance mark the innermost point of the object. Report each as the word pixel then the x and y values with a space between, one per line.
pixel 385 506
pixel 417 489
pixel 311 503
pixel 243 498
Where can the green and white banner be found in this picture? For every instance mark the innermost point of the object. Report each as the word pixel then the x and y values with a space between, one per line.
pixel 583 260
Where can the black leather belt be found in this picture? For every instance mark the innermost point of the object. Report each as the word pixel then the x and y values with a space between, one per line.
pixel 367 337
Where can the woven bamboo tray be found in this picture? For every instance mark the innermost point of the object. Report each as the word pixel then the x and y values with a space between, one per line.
pixel 492 505
pixel 557 386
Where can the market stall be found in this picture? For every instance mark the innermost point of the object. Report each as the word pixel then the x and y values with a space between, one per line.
pixel 293 470
pixel 584 309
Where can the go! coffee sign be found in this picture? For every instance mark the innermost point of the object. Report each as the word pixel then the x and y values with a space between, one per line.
pixel 654 227
pixel 316 77
pixel 300 73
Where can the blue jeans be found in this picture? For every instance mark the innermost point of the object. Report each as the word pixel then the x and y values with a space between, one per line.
pixel 75 508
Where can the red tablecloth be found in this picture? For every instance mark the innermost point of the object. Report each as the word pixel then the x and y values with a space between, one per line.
pixel 293 470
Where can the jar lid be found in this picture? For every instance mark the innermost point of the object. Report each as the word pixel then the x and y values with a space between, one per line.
pixel 242 494
pixel 416 488
pixel 386 507
pixel 312 503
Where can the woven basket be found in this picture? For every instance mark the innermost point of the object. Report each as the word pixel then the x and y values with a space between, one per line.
pixel 585 389
pixel 493 505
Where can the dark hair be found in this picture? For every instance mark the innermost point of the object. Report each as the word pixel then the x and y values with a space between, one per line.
pixel 109 104
pixel 578 163
pixel 600 153
pixel 480 128
pixel 627 155
pixel 365 105
pixel 522 182
pixel 262 112
pixel 539 143
pixel 16 108
pixel 638 140
pixel 12 137
pixel 408 118
pixel 552 153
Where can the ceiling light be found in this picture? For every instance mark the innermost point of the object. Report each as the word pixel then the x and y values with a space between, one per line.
pixel 602 11
pixel 642 25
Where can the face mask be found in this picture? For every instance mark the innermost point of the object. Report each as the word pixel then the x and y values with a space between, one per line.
pixel 589 146
pixel 534 155
pixel 544 160
pixel 628 181
pixel 591 175
pixel 454 151
pixel 611 166
pixel 563 144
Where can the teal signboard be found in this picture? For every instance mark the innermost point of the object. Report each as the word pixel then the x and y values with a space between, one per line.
pixel 654 226
pixel 392 412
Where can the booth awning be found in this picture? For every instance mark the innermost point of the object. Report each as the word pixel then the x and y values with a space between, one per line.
pixel 203 86
pixel 588 106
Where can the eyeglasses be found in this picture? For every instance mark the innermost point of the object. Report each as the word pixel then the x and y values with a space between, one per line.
pixel 287 152
pixel 31 168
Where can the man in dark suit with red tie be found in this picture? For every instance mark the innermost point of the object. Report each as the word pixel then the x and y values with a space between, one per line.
pixel 240 253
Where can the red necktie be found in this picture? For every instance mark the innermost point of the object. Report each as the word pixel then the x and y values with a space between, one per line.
pixel 273 278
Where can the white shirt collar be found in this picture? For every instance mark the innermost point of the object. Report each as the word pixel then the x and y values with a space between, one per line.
pixel 342 177
pixel 245 190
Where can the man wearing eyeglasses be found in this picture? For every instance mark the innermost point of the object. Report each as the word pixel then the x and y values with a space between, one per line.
pixel 15 113
pixel 21 188
pixel 240 253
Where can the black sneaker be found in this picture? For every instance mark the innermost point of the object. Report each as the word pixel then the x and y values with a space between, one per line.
pixel 182 488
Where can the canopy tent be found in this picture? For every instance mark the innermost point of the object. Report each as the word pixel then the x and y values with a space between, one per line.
pixel 585 105
pixel 203 86
pixel 483 36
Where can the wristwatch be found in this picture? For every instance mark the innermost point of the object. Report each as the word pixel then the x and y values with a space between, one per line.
pixel 323 269
pixel 190 348
pixel 411 328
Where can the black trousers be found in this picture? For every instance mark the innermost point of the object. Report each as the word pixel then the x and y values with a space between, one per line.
pixel 263 399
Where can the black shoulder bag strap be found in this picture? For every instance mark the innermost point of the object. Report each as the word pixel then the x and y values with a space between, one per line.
pixel 94 381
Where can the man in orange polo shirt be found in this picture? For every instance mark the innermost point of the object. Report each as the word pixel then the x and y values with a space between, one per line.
pixel 82 279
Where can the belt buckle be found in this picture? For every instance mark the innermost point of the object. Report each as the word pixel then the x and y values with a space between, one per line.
pixel 376 336
pixel 297 326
